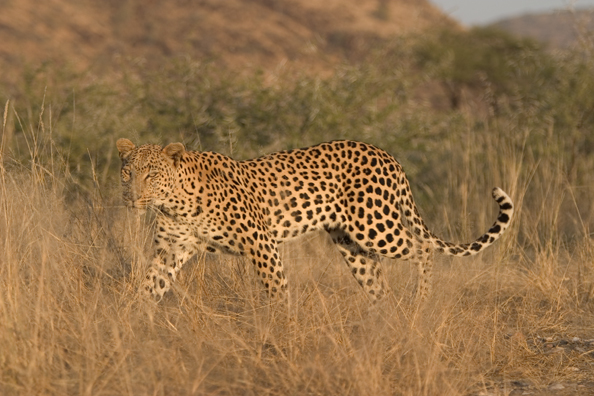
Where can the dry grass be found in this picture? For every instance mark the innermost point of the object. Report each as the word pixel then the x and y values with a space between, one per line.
pixel 71 321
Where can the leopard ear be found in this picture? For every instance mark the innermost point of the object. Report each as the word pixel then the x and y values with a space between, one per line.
pixel 124 147
pixel 174 151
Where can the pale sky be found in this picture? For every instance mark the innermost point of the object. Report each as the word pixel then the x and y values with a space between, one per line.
pixel 480 12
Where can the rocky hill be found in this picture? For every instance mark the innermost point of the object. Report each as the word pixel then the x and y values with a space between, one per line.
pixel 308 34
pixel 560 29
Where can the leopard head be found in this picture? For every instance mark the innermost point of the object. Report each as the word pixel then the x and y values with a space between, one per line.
pixel 148 172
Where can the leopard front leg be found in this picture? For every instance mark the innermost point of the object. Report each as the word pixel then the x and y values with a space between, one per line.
pixel 172 250
pixel 163 271
pixel 261 248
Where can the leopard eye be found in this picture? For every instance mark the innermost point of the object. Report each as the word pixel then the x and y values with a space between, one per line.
pixel 152 173
pixel 126 173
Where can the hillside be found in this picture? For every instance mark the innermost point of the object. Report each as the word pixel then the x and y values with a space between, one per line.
pixel 237 33
pixel 559 29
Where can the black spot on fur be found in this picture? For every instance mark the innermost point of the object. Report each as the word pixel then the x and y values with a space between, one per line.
pixel 503 218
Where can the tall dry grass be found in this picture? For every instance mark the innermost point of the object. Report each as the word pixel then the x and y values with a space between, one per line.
pixel 72 322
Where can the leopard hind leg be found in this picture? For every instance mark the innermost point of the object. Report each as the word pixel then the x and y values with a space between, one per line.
pixel 423 258
pixel 364 266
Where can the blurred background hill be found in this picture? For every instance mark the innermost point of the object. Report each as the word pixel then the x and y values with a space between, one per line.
pixel 559 29
pixel 308 34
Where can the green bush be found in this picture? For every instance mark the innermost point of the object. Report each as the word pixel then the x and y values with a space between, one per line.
pixel 483 58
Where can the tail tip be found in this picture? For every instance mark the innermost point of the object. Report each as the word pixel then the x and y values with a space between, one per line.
pixel 502 198
pixel 498 193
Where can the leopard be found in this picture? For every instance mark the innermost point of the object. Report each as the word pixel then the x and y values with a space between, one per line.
pixel 355 192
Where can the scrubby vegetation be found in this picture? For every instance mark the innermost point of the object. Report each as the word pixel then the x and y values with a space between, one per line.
pixel 463 112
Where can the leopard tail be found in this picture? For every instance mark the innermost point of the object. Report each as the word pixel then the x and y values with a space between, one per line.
pixel 506 211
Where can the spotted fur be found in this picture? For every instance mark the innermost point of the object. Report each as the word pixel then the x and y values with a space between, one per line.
pixel 356 192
